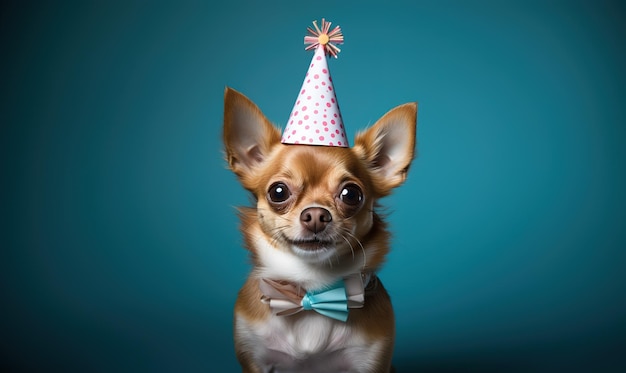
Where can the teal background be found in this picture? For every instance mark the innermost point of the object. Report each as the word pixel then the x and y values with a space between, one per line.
pixel 120 249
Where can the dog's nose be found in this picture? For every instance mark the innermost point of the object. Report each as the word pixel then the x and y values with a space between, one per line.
pixel 315 219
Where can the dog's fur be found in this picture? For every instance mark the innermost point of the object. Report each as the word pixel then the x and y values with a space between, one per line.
pixel 341 187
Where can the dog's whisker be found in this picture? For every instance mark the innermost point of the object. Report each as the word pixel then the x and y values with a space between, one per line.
pixel 361 245
pixel 279 228
pixel 349 244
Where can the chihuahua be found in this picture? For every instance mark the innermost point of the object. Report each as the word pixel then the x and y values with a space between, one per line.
pixel 314 235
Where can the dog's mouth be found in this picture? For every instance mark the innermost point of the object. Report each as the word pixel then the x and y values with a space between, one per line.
pixel 313 249
pixel 312 244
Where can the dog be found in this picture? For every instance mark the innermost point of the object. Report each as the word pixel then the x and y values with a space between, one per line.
pixel 315 225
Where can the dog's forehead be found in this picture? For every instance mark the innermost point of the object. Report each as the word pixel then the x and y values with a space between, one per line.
pixel 316 164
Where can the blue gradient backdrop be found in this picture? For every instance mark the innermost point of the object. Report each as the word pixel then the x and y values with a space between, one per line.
pixel 120 248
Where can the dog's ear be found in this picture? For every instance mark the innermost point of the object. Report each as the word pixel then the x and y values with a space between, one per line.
pixel 248 134
pixel 388 147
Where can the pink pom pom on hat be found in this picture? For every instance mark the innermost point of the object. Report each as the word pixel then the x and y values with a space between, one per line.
pixel 315 118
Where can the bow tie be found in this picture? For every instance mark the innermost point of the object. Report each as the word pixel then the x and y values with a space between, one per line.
pixel 286 298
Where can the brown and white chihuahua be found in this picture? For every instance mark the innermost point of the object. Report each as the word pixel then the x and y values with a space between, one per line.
pixel 314 224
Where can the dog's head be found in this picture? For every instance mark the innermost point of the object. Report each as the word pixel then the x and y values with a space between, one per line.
pixel 316 203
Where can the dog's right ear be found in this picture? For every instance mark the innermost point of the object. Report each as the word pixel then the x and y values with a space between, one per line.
pixel 248 134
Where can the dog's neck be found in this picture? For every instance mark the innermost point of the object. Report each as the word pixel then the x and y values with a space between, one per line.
pixel 368 278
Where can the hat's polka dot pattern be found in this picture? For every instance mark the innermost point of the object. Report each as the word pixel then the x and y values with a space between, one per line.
pixel 315 118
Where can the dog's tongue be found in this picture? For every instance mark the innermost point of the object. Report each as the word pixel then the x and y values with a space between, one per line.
pixel 315 118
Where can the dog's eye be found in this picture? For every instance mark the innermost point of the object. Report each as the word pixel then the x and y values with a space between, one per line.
pixel 351 195
pixel 278 193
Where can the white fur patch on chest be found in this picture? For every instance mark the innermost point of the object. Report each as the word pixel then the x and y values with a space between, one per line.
pixel 312 343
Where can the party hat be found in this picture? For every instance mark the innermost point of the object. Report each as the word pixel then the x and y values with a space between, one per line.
pixel 315 118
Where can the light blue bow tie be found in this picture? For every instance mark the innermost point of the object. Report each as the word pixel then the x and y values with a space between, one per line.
pixel 285 298
pixel 331 302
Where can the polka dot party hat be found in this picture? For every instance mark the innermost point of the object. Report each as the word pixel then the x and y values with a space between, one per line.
pixel 315 118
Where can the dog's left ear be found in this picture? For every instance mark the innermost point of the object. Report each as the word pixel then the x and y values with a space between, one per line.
pixel 388 147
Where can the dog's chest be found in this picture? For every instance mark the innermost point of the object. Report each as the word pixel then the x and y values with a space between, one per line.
pixel 305 343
